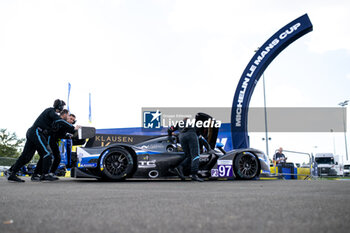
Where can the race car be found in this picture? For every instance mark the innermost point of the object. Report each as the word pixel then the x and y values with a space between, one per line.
pixel 155 158
pixel 30 168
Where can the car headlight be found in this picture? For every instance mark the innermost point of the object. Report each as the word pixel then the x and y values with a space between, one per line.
pixel 261 156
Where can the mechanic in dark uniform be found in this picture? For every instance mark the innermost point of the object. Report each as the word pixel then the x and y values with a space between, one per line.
pixel 37 141
pixel 61 129
pixel 190 145
pixel 72 157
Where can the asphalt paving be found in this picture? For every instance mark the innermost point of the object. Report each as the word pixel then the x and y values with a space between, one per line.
pixel 72 205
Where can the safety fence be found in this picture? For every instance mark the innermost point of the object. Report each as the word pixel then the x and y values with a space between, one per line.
pixel 299 173
pixel 289 171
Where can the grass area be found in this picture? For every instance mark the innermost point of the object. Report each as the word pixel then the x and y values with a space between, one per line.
pixel 4 161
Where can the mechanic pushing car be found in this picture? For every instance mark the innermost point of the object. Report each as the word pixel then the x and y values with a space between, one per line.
pixel 61 129
pixel 190 145
pixel 37 140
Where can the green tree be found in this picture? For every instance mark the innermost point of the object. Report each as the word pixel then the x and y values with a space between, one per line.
pixel 10 144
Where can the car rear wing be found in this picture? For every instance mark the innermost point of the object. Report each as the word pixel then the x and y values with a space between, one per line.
pixel 85 132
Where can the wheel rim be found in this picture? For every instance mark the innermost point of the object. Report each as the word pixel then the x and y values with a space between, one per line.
pixel 170 149
pixel 248 165
pixel 116 164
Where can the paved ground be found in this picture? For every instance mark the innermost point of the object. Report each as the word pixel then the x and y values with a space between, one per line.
pixel 172 206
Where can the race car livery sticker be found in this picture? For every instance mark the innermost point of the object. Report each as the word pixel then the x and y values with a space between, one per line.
pixel 147 164
pixel 224 169
pixel 90 165
pixel 225 162
pixel 101 161
pixel 214 173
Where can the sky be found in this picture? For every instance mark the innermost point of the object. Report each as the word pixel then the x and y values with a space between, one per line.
pixel 159 53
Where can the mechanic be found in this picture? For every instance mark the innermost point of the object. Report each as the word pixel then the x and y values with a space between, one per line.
pixel 70 148
pixel 61 128
pixel 190 145
pixel 37 141
pixel 72 145
pixel 72 119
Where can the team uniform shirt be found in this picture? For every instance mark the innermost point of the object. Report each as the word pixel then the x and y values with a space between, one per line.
pixel 45 119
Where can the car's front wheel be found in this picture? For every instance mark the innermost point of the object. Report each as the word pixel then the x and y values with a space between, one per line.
pixel 116 164
pixel 246 166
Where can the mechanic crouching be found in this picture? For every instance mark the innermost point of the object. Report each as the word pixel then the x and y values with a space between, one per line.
pixel 190 145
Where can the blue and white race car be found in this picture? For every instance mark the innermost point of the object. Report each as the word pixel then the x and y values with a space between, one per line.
pixel 154 158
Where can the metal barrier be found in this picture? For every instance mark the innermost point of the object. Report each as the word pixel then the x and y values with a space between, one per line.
pixel 307 176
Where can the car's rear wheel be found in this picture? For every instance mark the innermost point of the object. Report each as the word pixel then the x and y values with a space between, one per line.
pixel 246 166
pixel 116 164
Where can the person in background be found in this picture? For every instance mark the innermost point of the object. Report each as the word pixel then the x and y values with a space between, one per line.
pixel 279 157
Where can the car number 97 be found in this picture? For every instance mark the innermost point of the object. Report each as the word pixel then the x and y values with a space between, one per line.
pixel 225 170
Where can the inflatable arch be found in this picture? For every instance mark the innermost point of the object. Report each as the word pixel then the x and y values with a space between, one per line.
pixel 255 68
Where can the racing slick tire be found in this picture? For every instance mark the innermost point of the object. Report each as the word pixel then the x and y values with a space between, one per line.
pixel 246 166
pixel 116 164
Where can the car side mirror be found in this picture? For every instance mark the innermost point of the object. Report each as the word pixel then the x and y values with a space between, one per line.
pixel 219 145
pixel 336 163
